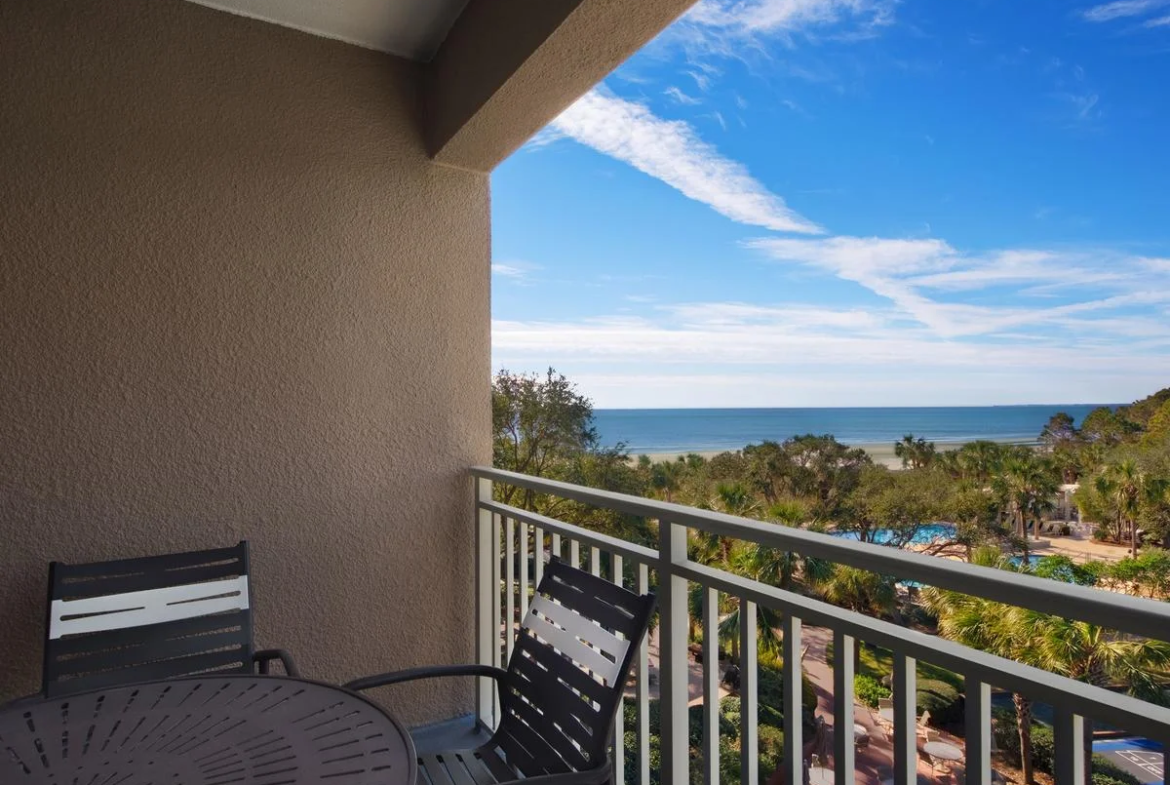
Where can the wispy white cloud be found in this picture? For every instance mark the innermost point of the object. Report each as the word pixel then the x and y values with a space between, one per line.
pixel 1120 9
pixel 1161 21
pixel 906 272
pixel 673 152
pixel 678 96
pixel 702 79
pixel 515 271
pixel 795 107
pixel 1085 105
pixel 749 18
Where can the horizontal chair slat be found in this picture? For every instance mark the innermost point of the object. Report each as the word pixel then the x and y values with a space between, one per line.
pixel 143 608
pixel 223 661
pixel 183 628
pixel 151 652
pixel 122 584
pixel 152 564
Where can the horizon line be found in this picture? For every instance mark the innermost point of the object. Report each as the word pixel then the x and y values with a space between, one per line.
pixel 764 408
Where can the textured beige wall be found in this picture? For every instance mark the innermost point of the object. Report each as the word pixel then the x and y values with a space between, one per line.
pixel 238 301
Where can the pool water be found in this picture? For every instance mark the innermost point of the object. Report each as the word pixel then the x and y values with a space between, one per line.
pixel 925 535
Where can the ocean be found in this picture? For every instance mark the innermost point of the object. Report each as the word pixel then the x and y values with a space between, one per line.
pixel 702 430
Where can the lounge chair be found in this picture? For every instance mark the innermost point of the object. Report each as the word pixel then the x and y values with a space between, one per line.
pixel 561 690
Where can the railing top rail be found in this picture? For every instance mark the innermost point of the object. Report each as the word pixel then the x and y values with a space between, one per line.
pixel 1111 610
pixel 1130 713
pixel 637 553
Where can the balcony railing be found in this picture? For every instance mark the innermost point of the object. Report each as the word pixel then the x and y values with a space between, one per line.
pixel 513 545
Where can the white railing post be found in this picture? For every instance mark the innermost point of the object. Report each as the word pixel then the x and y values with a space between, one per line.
pixel 793 700
pixel 642 688
pixel 672 645
pixel 905 720
pixel 978 727
pixel 1069 748
pixel 749 709
pixel 619 721
pixel 710 686
pixel 509 587
pixel 487 602
pixel 844 651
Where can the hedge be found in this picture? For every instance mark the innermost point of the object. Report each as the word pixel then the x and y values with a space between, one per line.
pixel 1105 771
pixel 869 690
pixel 942 700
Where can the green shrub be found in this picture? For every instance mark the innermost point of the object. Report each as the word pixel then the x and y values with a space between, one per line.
pixel 771 750
pixel 770 689
pixel 1043 748
pixel 869 690
pixel 942 700
pixel 1105 771
pixel 1007 737
pixel 1110 773
pixel 1105 779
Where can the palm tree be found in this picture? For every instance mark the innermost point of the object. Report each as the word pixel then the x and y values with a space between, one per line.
pixel 915 453
pixel 1100 657
pixel 979 460
pixel 859 590
pixel 666 477
pixel 1128 491
pixel 1075 649
pixel 1106 492
pixel 1027 486
pixel 992 627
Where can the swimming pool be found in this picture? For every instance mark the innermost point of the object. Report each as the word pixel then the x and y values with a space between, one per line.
pixel 925 535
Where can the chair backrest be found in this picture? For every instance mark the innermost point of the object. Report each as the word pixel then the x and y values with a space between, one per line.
pixel 158 617
pixel 568 670
pixel 885 703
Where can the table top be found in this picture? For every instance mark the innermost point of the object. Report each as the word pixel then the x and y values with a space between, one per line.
pixel 819 775
pixel 942 750
pixel 246 730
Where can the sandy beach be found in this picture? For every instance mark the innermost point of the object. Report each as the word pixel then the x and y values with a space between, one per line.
pixel 882 453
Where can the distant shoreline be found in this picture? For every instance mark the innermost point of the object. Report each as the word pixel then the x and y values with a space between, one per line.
pixel 880 453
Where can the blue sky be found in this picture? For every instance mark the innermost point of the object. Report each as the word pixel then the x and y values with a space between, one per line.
pixel 851 203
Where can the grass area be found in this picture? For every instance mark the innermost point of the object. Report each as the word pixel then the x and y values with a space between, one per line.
pixel 878 663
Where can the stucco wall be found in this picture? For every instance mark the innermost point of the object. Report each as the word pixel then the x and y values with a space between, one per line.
pixel 238 301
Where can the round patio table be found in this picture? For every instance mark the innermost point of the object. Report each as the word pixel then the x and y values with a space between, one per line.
pixel 942 750
pixel 243 730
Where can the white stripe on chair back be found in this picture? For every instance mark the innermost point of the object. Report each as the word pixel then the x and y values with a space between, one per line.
pixel 152 606
pixel 576 637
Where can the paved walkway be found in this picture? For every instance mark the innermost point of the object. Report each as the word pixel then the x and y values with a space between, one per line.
pixel 874 762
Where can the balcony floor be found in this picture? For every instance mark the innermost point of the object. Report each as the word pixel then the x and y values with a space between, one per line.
pixel 455 734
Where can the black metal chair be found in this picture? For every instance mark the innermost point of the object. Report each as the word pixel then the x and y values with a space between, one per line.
pixel 159 617
pixel 560 693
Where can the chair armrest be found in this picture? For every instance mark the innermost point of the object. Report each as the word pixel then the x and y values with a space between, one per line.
pixel 434 672
pixel 264 657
